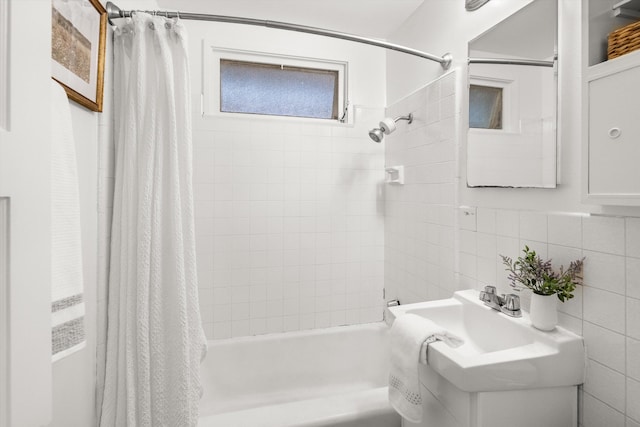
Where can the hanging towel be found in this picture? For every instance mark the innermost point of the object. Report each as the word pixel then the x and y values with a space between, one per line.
pixel 409 336
pixel 67 306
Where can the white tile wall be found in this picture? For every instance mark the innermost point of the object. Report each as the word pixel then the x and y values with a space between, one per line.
pixel 289 224
pixel 420 256
pixel 605 309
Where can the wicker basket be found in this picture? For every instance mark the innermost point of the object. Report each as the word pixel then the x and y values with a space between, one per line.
pixel 624 40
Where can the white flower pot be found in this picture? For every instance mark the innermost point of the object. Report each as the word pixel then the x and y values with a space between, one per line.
pixel 544 311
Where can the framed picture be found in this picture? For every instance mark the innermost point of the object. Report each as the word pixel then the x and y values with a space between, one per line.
pixel 78 36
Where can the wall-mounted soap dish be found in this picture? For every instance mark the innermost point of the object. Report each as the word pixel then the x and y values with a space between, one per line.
pixel 394 174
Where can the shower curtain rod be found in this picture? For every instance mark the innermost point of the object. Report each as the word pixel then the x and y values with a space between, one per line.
pixel 530 62
pixel 114 12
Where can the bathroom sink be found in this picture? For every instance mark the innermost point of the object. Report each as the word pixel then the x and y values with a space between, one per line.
pixel 499 352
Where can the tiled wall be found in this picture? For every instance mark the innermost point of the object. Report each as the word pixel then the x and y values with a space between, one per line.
pixel 605 310
pixel 289 224
pixel 419 222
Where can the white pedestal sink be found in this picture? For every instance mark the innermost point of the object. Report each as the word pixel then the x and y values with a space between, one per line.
pixel 506 374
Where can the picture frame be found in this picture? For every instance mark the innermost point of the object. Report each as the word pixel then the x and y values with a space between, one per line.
pixel 78 43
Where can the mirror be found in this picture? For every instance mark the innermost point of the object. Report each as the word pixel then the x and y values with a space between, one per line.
pixel 511 139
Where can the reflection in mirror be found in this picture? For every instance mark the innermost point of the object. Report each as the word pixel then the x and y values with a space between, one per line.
pixel 513 101
pixel 485 107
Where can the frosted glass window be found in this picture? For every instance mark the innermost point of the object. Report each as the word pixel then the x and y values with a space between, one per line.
pixel 485 107
pixel 279 90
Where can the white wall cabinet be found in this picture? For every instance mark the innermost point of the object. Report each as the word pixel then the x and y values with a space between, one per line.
pixel 614 134
pixel 611 116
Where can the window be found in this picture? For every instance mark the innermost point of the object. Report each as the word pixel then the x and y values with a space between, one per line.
pixel 239 82
pixel 256 88
pixel 485 107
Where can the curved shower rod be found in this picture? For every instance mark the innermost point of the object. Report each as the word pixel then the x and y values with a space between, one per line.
pixel 114 12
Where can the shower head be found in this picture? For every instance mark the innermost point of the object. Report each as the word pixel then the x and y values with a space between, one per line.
pixel 387 126
pixel 376 134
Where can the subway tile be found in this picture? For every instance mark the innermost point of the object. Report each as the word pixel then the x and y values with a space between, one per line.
pixel 486 273
pixel 633 399
pixel 633 358
pixel 468 265
pixel 258 326
pixel 633 277
pixel 290 323
pixel 632 237
pixel 604 234
pixel 221 313
pixel 598 414
pixel 573 306
pixel 605 309
pixel 507 223
pixel 633 318
pixel 240 328
pixel 275 325
pixel 533 226
pixel 570 323
pixel 486 245
pixel 486 220
pixel 468 242
pixel 606 385
pixel 221 330
pixel 563 255
pixel 605 346
pixel 467 216
pixel 240 311
pixel 604 271
pixel 565 230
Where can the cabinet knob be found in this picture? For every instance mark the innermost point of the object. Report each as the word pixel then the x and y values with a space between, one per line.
pixel 614 133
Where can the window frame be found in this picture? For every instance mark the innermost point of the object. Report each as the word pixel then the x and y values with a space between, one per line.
pixel 211 93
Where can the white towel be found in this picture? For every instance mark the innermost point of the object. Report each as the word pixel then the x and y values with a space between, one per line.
pixel 409 336
pixel 67 306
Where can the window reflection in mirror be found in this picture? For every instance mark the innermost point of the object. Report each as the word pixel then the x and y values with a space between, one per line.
pixel 485 107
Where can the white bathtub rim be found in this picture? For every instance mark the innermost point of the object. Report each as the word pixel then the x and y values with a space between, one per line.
pixel 373 326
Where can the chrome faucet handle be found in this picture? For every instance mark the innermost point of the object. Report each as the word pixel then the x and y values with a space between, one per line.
pixel 511 306
pixel 490 289
pixel 488 293
pixel 491 298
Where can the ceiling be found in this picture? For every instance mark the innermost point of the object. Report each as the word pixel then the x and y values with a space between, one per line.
pixel 369 18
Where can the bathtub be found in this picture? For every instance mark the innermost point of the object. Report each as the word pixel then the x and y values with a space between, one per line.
pixel 328 377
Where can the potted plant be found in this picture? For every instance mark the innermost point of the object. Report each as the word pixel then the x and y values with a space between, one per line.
pixel 530 271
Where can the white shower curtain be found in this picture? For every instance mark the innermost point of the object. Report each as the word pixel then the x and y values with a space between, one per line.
pixel 155 340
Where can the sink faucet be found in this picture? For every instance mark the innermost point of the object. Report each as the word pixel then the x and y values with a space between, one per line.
pixel 507 304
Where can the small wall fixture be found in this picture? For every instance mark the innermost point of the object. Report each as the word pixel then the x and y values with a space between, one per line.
pixel 387 126
pixel 394 174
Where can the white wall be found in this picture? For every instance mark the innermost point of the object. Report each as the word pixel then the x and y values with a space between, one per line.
pixel 289 220
pixel 554 222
